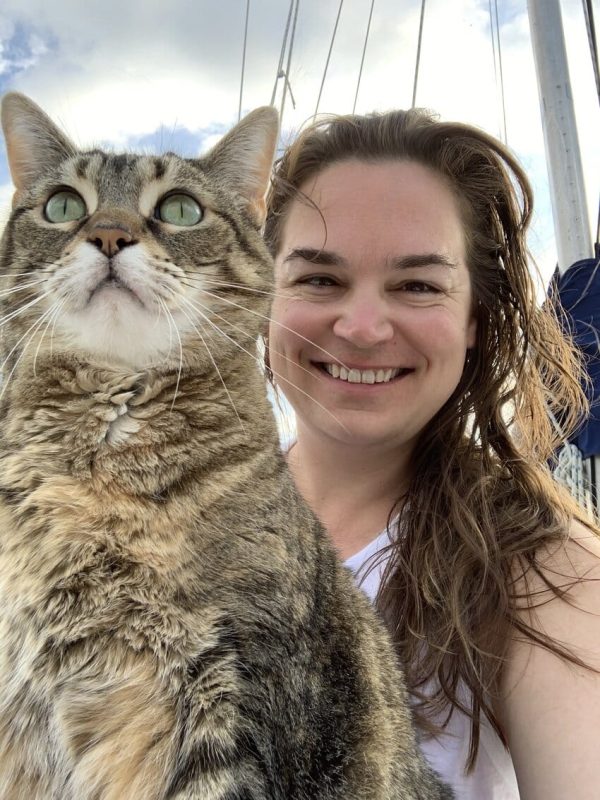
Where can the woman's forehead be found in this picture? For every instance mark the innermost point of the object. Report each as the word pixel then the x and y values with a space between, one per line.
pixel 383 176
pixel 393 202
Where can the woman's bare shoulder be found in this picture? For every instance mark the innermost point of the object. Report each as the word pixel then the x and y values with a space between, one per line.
pixel 550 707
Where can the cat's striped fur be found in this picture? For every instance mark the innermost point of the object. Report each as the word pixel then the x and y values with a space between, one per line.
pixel 173 621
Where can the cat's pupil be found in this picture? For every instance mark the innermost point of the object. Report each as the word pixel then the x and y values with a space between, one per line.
pixel 179 209
pixel 65 206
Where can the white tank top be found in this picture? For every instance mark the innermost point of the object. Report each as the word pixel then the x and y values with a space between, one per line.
pixel 493 777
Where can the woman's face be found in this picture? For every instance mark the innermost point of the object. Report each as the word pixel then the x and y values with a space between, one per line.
pixel 373 314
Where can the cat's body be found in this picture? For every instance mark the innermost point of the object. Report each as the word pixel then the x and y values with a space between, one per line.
pixel 173 621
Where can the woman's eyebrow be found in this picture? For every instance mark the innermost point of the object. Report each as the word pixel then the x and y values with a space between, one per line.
pixel 315 256
pixel 329 258
pixel 422 260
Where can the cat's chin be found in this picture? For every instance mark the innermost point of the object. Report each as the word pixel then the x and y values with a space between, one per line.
pixel 112 295
pixel 116 328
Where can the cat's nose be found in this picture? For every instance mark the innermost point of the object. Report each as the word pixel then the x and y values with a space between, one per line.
pixel 110 239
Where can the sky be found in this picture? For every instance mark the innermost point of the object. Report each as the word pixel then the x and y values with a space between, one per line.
pixel 156 76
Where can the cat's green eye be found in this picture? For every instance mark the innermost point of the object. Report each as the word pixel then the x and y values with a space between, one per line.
pixel 179 209
pixel 65 206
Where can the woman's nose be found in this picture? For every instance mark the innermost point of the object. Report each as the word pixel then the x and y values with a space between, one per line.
pixel 365 322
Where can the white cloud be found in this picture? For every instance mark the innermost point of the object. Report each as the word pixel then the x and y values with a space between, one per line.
pixel 113 71
pixel 6 193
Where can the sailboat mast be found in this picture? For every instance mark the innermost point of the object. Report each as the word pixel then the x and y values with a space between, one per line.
pixel 563 157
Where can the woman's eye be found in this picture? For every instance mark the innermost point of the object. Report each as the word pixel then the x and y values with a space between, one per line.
pixel 65 206
pixel 318 280
pixel 418 287
pixel 179 209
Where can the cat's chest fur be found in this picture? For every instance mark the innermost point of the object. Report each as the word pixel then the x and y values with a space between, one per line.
pixel 65 471
pixel 90 523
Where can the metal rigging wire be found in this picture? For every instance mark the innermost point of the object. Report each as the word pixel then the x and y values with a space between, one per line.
pixel 328 57
pixel 287 84
pixel 414 97
pixel 493 38
pixel 244 59
pixel 497 28
pixel 362 61
pixel 281 55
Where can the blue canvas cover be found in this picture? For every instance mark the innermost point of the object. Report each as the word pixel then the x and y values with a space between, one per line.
pixel 579 292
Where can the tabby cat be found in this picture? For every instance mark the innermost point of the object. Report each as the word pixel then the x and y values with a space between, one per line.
pixel 173 621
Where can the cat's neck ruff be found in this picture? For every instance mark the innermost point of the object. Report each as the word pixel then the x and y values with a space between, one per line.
pixel 143 433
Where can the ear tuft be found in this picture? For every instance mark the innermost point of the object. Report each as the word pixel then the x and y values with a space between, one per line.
pixel 33 142
pixel 243 159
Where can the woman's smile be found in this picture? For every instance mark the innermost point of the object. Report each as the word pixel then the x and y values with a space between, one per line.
pixel 363 376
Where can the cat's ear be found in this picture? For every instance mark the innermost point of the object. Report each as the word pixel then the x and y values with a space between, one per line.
pixel 243 158
pixel 33 142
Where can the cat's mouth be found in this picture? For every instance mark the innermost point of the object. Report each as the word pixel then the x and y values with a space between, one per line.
pixel 113 282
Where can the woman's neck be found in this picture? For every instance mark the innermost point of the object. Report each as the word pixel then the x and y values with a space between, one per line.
pixel 351 488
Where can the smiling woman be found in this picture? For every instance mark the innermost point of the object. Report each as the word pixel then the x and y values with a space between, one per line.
pixel 384 300
pixel 406 336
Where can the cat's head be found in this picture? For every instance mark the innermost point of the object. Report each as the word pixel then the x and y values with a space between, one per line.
pixel 134 260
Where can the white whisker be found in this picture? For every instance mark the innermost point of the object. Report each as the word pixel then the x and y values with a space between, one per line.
pixel 16 345
pixel 217 283
pixel 170 322
pixel 56 319
pixel 17 273
pixel 53 310
pixel 159 315
pixel 255 358
pixel 13 314
pixel 6 292
pixel 209 310
pixel 279 324
pixel 33 329
pixel 214 363
pixel 219 330
pixel 169 315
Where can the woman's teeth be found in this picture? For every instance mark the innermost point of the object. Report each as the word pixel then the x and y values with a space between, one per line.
pixel 362 375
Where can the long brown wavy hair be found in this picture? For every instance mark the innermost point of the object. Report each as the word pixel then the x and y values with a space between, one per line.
pixel 482 504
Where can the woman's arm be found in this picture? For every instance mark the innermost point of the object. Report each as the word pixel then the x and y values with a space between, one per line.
pixel 551 707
